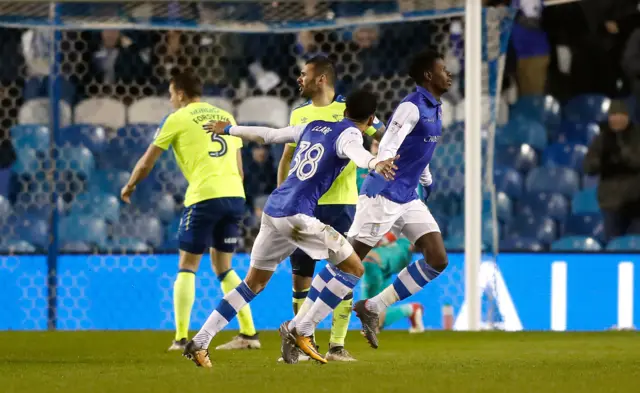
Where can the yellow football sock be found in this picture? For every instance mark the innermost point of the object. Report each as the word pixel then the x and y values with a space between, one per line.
pixel 229 280
pixel 341 318
pixel 184 293
pixel 298 299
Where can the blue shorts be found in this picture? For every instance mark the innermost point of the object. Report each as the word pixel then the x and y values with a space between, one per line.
pixel 211 223
pixel 340 218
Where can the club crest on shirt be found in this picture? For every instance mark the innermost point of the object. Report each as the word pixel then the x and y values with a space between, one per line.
pixel 375 229
pixel 338 117
pixel 303 120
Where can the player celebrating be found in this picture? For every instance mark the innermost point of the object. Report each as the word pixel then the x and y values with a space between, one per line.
pixel 412 133
pixel 337 206
pixel 214 202
pixel 324 149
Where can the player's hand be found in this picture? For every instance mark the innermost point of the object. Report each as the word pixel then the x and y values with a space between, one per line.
pixel 217 127
pixel 386 168
pixel 125 193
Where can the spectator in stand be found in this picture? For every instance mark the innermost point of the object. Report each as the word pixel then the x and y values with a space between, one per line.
pixel 531 47
pixel 259 175
pixel 614 155
pixel 631 66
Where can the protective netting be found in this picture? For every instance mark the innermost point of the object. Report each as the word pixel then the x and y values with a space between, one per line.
pixel 113 62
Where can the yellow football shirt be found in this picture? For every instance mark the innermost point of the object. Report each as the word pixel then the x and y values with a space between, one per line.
pixel 343 191
pixel 207 161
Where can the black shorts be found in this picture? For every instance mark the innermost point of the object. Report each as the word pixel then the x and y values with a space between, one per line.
pixel 340 217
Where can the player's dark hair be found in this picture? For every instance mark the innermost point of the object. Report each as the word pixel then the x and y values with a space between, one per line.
pixel 361 104
pixel 422 63
pixel 187 82
pixel 324 65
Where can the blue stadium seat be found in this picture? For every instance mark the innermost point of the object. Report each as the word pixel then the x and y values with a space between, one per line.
pixel 124 244
pixel 579 133
pixel 97 204
pixel 576 243
pixel 82 229
pixel 521 244
pixel 522 158
pixel 554 205
pixel 585 201
pixel 32 229
pixel 455 228
pixel 76 247
pixel 38 87
pixel 148 229
pixel 630 243
pixel 32 136
pixel 541 228
pixel 561 180
pixel 90 136
pixel 448 205
pixel 487 230
pixel 522 130
pixel 443 222
pixel 28 162
pixel 454 133
pixel 161 204
pixel 584 225
pixel 5 208
pixel 508 180
pixel 454 243
pixel 504 207
pixel 76 159
pixel 590 181
pixel 543 109
pixel 109 181
pixel 171 235
pixel 564 155
pixel 13 245
pixel 587 108
pixel 6 181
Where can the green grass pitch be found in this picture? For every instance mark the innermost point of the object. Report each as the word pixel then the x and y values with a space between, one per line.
pixel 122 362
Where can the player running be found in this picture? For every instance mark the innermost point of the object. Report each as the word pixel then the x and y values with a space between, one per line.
pixel 412 133
pixel 338 205
pixel 214 201
pixel 324 150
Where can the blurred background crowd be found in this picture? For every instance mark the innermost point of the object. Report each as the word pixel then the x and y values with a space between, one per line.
pixel 567 166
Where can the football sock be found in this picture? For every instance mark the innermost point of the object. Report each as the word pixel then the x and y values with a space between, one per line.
pixel 336 289
pixel 341 317
pixel 184 294
pixel 396 313
pixel 409 281
pixel 228 281
pixel 224 312
pixel 317 285
pixel 298 299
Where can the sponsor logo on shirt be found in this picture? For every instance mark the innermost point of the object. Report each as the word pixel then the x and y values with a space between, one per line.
pixel 432 139
pixel 230 240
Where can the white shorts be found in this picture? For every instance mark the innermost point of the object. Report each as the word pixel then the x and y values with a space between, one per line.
pixel 280 236
pixel 377 216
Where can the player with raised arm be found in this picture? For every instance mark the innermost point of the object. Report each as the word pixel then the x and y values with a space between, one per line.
pixel 412 133
pixel 338 205
pixel 214 201
pixel 324 150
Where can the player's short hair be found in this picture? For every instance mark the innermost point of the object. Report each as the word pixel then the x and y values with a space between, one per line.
pixel 361 104
pixel 423 62
pixel 324 65
pixel 188 82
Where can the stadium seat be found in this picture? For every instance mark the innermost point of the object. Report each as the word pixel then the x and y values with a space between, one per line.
pixel 109 181
pixel 522 158
pixel 561 180
pixel 97 204
pixel 135 136
pixel 564 155
pixel 38 87
pixel 543 109
pixel 37 112
pixel 539 227
pixel 76 247
pixel 31 136
pixel 220 102
pixel 452 243
pixel 161 204
pixel 6 181
pixel 576 243
pixel 5 208
pixel 265 110
pixel 585 201
pixel 453 133
pixel 587 108
pixel 554 205
pixel 521 244
pixel 149 110
pixel 28 162
pixel 146 228
pixel 8 246
pixel 90 136
pixel 578 133
pixel 32 229
pixel 455 228
pixel 82 229
pixel 448 205
pixel 522 130
pixel 504 207
pixel 630 243
pixel 124 244
pixel 508 180
pixel 76 159
pixel 107 112
pixel 590 181
pixel 584 225
pixel 171 235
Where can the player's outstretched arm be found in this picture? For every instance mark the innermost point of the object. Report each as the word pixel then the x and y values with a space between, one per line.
pixel 142 169
pixel 256 134
pixel 349 145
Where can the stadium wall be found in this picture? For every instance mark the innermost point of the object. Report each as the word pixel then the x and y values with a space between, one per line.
pixel 533 291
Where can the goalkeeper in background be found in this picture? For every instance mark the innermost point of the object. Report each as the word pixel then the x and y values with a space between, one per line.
pixel 214 201
pixel 338 205
pixel 389 257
